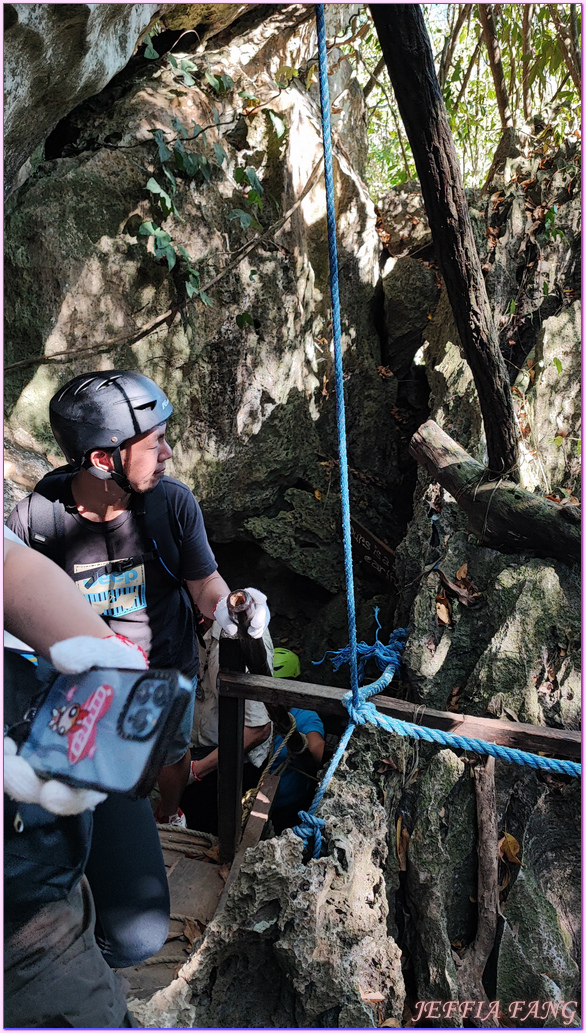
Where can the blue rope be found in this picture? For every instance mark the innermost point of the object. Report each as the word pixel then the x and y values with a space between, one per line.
pixel 388 658
pixel 324 93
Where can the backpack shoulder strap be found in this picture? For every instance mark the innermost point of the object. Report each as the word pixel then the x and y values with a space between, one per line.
pixel 162 528
pixel 46 514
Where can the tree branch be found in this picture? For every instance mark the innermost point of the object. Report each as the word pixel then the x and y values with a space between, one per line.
pixel 485 13
pixel 565 45
pixel 472 965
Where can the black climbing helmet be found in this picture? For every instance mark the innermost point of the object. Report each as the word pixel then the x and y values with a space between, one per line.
pixel 103 411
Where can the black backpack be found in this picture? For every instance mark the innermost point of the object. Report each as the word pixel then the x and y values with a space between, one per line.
pixel 46 525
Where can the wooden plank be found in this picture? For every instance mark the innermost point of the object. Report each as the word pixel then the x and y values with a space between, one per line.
pixel 253 830
pixel 195 888
pixel 327 699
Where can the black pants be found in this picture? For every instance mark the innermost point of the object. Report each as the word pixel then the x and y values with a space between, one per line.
pixel 127 875
pixel 199 802
pixel 54 975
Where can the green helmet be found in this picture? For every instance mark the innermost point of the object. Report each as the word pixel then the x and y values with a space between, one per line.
pixel 286 664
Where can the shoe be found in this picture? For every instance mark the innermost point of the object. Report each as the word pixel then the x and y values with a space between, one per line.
pixel 178 820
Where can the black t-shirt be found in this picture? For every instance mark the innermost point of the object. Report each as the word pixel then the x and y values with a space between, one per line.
pixel 145 602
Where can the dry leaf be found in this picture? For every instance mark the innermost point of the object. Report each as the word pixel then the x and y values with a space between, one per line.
pixel 213 854
pixel 508 848
pixel 461 573
pixel 384 764
pixel 464 590
pixel 402 850
pixel 191 930
pixel 391 1022
pixel 443 610
pixel 224 871
pixel 372 996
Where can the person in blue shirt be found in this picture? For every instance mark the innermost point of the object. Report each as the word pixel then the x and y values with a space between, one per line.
pixel 296 786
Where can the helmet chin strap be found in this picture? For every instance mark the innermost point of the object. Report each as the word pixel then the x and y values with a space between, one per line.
pixel 117 474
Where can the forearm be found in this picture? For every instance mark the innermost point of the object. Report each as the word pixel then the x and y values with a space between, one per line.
pixel 253 736
pixel 207 592
pixel 42 604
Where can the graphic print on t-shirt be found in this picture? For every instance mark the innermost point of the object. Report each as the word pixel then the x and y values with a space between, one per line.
pixel 116 594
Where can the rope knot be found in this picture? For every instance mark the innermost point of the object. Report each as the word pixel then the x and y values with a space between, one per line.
pixel 310 827
pixel 361 712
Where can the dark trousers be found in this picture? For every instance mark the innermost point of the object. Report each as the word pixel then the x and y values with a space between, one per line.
pixel 127 875
pixel 199 802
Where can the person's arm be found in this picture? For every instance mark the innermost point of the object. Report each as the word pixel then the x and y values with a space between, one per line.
pixel 207 592
pixel 42 604
pixel 253 736
pixel 316 746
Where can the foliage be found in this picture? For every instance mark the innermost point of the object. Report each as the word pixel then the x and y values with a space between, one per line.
pixel 190 156
pixel 543 98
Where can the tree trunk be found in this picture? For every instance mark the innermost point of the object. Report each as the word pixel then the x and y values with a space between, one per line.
pixel 407 52
pixel 485 12
pixel 501 515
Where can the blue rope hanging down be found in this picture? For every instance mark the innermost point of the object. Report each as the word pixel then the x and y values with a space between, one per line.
pixel 324 93
pixel 388 658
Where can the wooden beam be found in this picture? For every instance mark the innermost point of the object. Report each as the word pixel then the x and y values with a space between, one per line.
pixel 327 699
pixel 252 832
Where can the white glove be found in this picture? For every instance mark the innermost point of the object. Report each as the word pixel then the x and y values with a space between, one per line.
pixel 71 656
pixel 260 617
pixel 22 784
pixel 75 655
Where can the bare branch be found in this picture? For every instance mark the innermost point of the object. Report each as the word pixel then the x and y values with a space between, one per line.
pixel 528 10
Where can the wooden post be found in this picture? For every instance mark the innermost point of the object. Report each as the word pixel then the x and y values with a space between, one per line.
pixel 230 757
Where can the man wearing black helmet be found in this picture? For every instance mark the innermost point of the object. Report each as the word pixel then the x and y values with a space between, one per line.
pixel 134 542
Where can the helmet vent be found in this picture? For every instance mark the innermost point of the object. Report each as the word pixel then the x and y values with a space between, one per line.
pixel 108 382
pixel 146 405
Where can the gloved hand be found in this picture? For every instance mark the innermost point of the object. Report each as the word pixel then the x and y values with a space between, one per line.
pixel 71 656
pixel 75 655
pixel 260 617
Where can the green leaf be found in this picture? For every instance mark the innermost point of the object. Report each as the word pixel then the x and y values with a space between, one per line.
pixel 239 175
pixel 245 218
pixel 278 124
pixel 213 81
pixel 512 306
pixel 170 256
pixel 164 199
pixel 164 152
pixel 253 197
pixel 171 178
pixel 545 289
pixel 557 365
pixel 253 273
pixel 284 75
pixel 247 95
pixel 180 128
pixel 253 179
pixel 188 79
pixel 310 76
pixel 243 319
pixel 149 50
pixel 578 448
pixel 172 60
pixel 191 290
pixel 220 153
pixel 149 229
pixel 183 252
pixel 227 82
pixel 187 65
pixel 206 299
pixel 558 441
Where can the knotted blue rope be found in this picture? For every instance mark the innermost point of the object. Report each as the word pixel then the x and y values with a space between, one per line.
pixel 324 93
